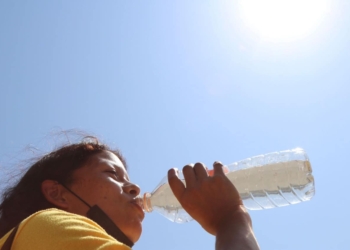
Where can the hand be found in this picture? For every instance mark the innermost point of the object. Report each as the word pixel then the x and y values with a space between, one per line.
pixel 213 201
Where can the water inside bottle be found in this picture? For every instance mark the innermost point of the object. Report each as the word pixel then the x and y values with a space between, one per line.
pixel 260 187
pixel 274 185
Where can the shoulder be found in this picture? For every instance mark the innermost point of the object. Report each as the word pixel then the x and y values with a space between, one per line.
pixel 57 218
pixel 58 229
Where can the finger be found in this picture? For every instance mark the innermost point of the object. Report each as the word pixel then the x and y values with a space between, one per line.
pixel 189 175
pixel 218 168
pixel 200 170
pixel 176 185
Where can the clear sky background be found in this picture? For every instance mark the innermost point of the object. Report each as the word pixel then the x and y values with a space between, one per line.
pixel 175 82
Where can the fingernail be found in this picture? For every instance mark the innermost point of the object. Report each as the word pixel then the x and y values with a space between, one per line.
pixel 218 163
pixel 173 171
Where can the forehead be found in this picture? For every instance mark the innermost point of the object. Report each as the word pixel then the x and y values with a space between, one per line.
pixel 105 158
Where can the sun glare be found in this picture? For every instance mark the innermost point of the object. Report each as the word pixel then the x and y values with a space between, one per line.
pixel 283 20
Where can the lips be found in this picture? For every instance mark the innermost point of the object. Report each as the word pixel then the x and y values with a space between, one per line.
pixel 136 203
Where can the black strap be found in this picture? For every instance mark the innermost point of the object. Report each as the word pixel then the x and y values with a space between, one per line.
pixel 97 215
pixel 8 243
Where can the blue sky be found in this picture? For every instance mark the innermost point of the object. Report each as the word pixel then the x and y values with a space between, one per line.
pixel 170 83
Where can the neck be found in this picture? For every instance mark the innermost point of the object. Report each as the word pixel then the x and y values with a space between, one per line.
pixel 96 214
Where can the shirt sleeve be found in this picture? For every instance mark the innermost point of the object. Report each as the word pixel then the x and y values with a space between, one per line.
pixel 56 230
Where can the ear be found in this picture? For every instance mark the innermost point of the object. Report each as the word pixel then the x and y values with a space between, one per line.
pixel 55 194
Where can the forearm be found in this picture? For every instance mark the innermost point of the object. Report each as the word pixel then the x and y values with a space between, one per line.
pixel 236 233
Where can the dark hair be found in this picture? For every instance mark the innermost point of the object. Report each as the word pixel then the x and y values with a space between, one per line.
pixel 26 198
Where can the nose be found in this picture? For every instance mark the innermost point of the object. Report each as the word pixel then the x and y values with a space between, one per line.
pixel 131 188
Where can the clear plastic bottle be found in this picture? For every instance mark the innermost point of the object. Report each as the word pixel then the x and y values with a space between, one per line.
pixel 265 181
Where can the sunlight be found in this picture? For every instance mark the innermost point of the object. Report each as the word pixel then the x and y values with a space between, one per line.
pixel 283 20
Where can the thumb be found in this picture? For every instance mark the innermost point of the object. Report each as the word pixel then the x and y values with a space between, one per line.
pixel 176 185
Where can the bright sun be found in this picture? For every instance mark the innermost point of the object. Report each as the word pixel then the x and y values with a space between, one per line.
pixel 283 20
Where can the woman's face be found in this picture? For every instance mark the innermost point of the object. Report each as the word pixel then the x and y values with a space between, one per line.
pixel 103 181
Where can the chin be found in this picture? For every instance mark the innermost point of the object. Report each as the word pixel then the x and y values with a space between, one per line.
pixel 135 232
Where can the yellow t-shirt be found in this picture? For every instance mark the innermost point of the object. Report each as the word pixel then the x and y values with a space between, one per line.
pixel 54 229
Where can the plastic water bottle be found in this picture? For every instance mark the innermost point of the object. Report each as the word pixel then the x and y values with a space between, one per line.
pixel 266 181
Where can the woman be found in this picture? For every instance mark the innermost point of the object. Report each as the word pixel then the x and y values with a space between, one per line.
pixel 80 197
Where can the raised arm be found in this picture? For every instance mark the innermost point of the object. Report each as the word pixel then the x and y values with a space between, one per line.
pixel 215 204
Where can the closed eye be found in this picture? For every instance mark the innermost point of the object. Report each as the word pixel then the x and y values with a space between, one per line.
pixel 113 172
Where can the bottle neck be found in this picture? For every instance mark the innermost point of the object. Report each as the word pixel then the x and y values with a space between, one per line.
pixel 146 202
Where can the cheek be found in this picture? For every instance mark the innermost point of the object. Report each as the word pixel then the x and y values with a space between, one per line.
pixel 112 193
pixel 94 192
pixel 100 190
